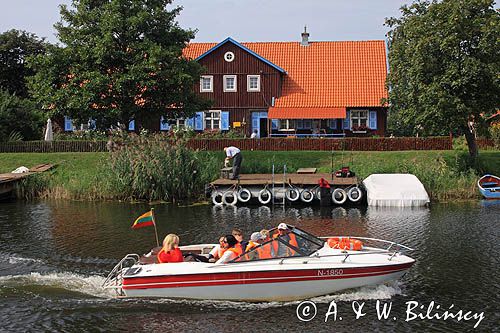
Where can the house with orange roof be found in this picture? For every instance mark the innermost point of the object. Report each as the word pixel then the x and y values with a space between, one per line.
pixel 288 89
pixel 305 88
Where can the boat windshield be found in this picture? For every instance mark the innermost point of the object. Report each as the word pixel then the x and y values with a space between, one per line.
pixel 296 243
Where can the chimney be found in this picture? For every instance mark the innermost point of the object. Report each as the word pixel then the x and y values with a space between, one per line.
pixel 305 37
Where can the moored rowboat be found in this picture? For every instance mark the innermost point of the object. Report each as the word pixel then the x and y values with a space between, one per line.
pixel 489 186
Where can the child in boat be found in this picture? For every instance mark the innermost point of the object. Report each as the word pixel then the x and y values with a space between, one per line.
pixel 170 251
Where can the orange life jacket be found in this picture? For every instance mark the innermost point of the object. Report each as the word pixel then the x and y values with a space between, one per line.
pixel 292 241
pixel 251 245
pixel 265 251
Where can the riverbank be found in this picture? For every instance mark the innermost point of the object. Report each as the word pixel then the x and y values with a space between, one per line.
pixel 82 176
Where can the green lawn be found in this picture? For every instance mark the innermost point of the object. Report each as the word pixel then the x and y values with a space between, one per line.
pixel 445 174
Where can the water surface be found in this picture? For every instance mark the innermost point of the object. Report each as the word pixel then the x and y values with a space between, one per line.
pixel 54 256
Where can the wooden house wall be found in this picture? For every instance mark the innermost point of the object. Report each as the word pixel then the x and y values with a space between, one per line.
pixel 243 64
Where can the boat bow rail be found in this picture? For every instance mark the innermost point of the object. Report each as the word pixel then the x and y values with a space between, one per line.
pixel 115 277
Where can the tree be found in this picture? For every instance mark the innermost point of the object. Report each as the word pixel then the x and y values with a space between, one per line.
pixel 15 47
pixel 19 118
pixel 121 60
pixel 444 60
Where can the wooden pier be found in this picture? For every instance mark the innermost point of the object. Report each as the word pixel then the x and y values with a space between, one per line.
pixel 8 180
pixel 290 178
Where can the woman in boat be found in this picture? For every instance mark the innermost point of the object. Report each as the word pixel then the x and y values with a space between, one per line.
pixel 238 234
pixel 232 250
pixel 170 251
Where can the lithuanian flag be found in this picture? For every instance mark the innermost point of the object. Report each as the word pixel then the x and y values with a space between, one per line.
pixel 144 220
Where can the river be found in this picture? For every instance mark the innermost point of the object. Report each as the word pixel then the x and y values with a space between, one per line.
pixel 54 256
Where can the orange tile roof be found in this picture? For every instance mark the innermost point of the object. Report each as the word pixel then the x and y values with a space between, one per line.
pixel 323 74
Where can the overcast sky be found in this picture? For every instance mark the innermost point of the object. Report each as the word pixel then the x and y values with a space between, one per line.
pixel 244 20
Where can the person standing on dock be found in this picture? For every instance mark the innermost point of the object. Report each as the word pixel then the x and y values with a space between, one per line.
pixel 233 153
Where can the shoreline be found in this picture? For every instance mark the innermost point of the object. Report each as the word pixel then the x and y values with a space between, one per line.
pixel 79 176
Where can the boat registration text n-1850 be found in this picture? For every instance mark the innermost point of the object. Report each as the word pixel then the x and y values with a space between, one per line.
pixel 330 272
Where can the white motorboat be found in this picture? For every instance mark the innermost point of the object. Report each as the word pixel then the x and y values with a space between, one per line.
pixel 314 267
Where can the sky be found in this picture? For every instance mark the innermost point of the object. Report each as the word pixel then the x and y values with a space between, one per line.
pixel 243 20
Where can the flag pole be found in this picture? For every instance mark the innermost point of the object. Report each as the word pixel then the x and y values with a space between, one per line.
pixel 154 223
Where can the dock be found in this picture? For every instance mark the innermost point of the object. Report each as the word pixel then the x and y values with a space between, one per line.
pixel 301 187
pixel 8 180
pixel 258 179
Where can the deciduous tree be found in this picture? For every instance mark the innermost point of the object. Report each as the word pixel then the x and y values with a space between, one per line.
pixel 15 47
pixel 444 59
pixel 119 60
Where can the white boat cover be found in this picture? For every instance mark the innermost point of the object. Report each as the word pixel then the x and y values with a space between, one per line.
pixel 396 190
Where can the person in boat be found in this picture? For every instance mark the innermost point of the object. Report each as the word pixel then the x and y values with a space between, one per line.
pixel 218 250
pixel 238 234
pixel 255 240
pixel 233 153
pixel 284 233
pixel 170 251
pixel 231 250
pixel 265 234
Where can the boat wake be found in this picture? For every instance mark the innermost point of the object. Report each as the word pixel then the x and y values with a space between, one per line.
pixel 88 285
pixel 92 286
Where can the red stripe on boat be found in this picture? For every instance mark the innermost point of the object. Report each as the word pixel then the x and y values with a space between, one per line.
pixel 216 279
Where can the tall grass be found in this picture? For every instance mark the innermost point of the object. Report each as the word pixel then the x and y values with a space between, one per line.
pixel 151 168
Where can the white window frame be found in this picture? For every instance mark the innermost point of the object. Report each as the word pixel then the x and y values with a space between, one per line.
pixel 209 77
pixel 212 119
pixel 356 118
pixel 234 89
pixel 249 79
pixel 289 125
pixel 180 123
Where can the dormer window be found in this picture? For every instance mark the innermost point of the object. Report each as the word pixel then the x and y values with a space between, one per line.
pixel 253 82
pixel 206 83
pixel 230 83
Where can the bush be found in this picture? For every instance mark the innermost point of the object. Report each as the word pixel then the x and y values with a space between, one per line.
pixel 495 134
pixel 152 168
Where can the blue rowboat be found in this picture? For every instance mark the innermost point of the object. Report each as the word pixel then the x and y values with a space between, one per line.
pixel 489 186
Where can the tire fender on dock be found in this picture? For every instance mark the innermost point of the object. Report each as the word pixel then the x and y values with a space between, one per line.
pixel 217 198
pixel 292 194
pixel 339 196
pixel 307 196
pixel 230 198
pixel 244 195
pixel 355 194
pixel 264 196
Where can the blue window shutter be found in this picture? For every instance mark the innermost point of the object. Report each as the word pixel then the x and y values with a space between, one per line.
pixel 274 123
pixel 224 117
pixel 190 122
pixel 92 124
pixel 333 123
pixel 198 121
pixel 255 121
pixel 346 124
pixel 164 125
pixel 68 124
pixel 373 119
pixel 131 125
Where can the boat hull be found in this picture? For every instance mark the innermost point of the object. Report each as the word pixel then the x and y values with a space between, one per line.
pixel 489 186
pixel 281 285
